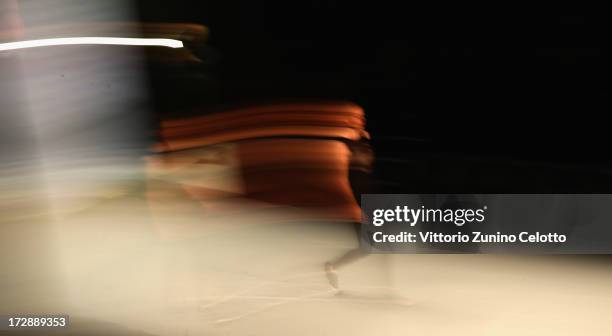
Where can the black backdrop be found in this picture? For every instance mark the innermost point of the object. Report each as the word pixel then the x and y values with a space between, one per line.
pixel 501 84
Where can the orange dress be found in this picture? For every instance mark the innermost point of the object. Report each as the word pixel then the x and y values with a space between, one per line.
pixel 289 154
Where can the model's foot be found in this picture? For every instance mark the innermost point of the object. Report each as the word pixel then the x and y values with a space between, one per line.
pixel 332 276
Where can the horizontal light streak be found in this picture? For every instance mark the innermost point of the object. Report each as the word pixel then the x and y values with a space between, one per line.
pixel 159 42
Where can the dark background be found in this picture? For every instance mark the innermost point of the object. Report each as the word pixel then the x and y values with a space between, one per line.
pixel 478 99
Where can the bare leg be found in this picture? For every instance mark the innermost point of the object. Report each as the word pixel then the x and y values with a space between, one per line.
pixel 361 182
pixel 345 259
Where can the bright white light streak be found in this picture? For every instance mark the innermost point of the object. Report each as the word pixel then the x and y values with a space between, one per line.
pixel 159 42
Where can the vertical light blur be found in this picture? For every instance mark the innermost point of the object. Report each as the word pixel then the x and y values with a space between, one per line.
pixel 87 103
pixel 27 272
pixel 72 134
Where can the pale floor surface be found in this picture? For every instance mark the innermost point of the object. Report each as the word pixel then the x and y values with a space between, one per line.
pixel 250 272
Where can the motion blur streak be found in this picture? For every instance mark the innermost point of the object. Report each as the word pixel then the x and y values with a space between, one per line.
pixel 332 120
pixel 284 154
pixel 72 134
pixel 91 40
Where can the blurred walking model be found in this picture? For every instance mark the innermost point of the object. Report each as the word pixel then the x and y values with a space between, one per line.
pixel 313 156
pixel 360 169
